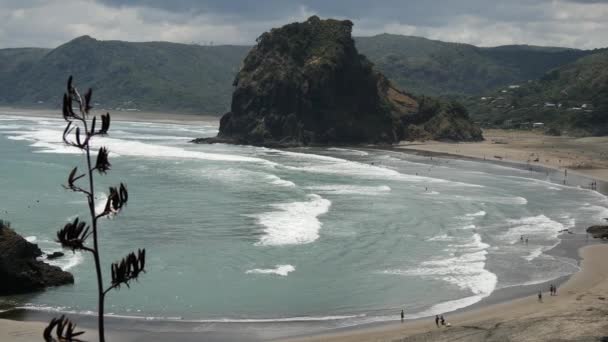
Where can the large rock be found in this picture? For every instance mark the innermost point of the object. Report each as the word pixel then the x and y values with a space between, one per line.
pixel 305 83
pixel 20 272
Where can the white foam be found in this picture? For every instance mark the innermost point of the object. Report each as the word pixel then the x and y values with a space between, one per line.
pixel 333 165
pixel 431 193
pixel 534 228
pixel 477 214
pixel 442 237
pixel 68 261
pixel 293 223
pixel 345 189
pixel 276 180
pixel 347 151
pixel 49 141
pixel 465 270
pixel 281 270
pixel 31 239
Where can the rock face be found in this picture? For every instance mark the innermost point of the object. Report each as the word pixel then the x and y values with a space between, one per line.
pixel 598 232
pixel 305 83
pixel 20 272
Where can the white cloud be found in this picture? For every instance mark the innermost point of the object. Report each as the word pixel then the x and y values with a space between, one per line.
pixel 49 23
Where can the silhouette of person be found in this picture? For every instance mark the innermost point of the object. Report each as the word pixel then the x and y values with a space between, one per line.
pixel 540 296
pixel 437 320
pixel 442 320
pixel 402 316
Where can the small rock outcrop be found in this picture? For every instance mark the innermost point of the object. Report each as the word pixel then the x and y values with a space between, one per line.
pixel 20 271
pixel 598 232
pixel 306 84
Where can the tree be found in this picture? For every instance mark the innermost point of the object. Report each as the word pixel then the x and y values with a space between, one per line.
pixel 75 235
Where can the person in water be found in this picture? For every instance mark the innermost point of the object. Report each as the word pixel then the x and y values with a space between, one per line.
pixel 402 316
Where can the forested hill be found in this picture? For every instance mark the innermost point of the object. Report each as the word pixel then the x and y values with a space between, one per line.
pixel 146 76
pixel 175 77
pixel 438 68
pixel 572 98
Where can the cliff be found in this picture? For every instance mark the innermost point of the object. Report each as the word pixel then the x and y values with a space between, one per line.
pixel 20 271
pixel 305 83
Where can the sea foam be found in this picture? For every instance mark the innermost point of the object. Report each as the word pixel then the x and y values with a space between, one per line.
pixel 280 270
pixel 293 223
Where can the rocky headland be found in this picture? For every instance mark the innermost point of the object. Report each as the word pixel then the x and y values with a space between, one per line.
pixel 20 270
pixel 306 84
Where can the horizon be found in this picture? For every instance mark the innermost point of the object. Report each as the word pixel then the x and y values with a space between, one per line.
pixel 249 45
pixel 574 24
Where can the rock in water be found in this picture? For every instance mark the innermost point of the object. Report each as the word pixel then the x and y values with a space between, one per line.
pixel 20 272
pixel 305 83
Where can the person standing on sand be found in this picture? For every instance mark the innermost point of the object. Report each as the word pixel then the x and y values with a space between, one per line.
pixel 437 320
pixel 402 316
pixel 540 296
pixel 442 320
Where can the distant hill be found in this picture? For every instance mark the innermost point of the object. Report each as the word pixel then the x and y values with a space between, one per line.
pixel 573 97
pixel 150 76
pixel 175 77
pixel 424 66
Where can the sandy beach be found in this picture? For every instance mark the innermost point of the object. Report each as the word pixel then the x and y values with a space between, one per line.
pixel 586 156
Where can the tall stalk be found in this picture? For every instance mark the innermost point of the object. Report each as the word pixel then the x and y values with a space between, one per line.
pixel 74 235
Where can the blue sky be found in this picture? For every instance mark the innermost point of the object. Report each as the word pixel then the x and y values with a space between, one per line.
pixel 48 23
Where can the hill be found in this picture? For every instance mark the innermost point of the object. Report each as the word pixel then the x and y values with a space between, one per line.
pixel 173 77
pixel 572 98
pixel 424 66
pixel 153 75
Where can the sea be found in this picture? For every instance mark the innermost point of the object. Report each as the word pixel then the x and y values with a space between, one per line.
pixel 236 234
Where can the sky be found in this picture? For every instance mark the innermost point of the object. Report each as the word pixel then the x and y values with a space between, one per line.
pixel 50 23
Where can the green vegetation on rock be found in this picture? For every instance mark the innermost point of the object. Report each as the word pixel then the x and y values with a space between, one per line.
pixel 305 83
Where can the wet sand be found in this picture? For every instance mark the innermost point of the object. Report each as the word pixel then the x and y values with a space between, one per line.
pixel 585 156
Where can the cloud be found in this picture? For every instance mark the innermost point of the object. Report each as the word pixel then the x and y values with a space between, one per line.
pixel 48 23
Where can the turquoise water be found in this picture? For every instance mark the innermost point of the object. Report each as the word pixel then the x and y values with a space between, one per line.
pixel 255 234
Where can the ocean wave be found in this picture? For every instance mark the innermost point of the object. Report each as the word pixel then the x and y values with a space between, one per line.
pixel 66 310
pixel 293 223
pixel 430 193
pixel 345 189
pixel 477 214
pixel 347 151
pixel 49 141
pixel 281 270
pixel 66 262
pixel 539 228
pixel 465 270
pixel 276 180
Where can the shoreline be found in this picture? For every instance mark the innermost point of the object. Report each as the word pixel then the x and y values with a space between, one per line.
pixel 590 282
pixel 150 117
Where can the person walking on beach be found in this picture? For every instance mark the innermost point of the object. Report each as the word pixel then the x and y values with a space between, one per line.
pixel 442 320
pixel 402 316
pixel 437 320
pixel 540 296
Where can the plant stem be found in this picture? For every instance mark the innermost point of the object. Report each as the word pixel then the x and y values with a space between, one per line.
pixel 100 290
